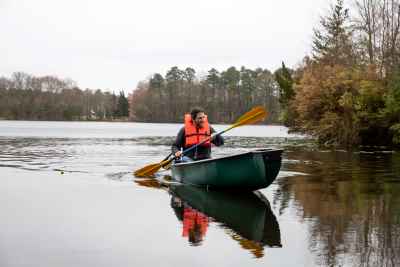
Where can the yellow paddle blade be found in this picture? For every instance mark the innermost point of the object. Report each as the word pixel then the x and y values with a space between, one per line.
pixel 151 169
pixel 250 113
pixel 148 170
pixel 257 117
pixel 251 117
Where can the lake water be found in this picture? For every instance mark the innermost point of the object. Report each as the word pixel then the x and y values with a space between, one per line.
pixel 68 198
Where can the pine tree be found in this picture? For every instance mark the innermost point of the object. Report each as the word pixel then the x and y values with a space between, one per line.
pixel 284 79
pixel 332 43
pixel 123 105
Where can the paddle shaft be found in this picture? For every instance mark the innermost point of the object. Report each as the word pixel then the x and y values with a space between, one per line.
pixel 254 115
pixel 205 140
pixel 167 157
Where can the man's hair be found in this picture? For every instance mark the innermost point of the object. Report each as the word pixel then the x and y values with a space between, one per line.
pixel 196 111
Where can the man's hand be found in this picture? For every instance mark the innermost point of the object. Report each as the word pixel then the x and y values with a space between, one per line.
pixel 213 136
pixel 178 154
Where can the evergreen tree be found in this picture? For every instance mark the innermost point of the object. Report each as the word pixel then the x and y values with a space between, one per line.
pixel 123 105
pixel 283 77
pixel 332 42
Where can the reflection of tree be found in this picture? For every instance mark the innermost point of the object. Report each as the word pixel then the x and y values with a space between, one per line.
pixel 351 203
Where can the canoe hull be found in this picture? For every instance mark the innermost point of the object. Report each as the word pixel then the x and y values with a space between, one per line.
pixel 245 171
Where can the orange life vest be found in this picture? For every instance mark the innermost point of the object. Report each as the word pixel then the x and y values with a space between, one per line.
pixel 193 135
pixel 193 218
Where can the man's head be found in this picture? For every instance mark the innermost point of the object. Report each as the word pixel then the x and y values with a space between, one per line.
pixel 198 117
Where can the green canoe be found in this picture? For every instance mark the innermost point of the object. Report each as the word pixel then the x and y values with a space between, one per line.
pixel 248 214
pixel 245 171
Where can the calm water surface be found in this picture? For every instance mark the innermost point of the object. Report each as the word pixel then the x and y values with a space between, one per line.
pixel 68 198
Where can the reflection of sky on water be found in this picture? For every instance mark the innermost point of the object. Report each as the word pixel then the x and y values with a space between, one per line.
pixel 105 155
pixel 57 129
pixel 103 147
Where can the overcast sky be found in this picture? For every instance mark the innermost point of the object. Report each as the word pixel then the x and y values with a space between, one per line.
pixel 115 44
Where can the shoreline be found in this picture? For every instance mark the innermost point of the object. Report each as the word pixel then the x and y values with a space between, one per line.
pixel 131 121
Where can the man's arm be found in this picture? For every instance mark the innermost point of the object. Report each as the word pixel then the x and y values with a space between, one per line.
pixel 179 141
pixel 217 140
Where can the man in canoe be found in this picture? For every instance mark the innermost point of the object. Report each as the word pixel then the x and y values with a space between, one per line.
pixel 196 130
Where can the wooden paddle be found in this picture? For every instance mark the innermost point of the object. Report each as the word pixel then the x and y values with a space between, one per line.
pixel 254 115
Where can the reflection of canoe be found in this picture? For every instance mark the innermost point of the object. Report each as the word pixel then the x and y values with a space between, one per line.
pixel 245 171
pixel 246 213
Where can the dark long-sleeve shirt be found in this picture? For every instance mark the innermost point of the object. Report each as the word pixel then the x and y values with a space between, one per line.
pixel 201 152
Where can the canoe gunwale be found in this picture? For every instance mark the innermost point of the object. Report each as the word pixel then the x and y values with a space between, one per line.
pixel 256 151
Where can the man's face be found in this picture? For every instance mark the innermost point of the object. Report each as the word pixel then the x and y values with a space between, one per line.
pixel 200 119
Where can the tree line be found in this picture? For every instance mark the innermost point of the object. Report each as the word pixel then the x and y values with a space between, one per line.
pixel 225 95
pixel 347 92
pixel 26 97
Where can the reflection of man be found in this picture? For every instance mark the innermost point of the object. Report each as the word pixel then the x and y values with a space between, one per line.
pixel 195 223
pixel 195 131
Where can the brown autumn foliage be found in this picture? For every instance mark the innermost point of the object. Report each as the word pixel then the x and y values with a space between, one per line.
pixel 335 102
pixel 347 93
